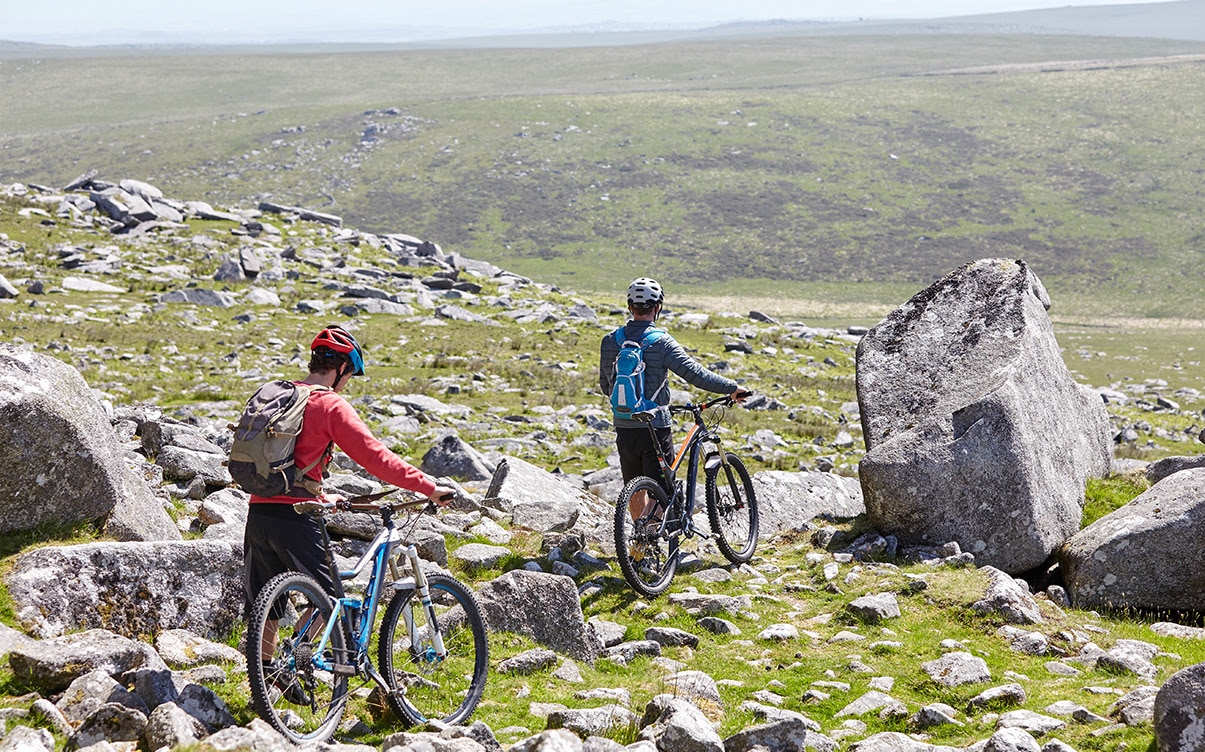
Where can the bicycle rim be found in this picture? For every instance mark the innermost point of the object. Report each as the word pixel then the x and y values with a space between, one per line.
pixel 647 557
pixel 427 686
pixel 298 699
pixel 732 509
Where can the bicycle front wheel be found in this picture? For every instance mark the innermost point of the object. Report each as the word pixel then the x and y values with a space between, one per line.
pixel 284 635
pixel 647 557
pixel 731 507
pixel 426 685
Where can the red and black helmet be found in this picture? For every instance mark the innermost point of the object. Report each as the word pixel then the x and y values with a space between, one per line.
pixel 337 338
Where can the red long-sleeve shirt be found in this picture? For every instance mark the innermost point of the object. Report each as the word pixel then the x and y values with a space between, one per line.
pixel 330 418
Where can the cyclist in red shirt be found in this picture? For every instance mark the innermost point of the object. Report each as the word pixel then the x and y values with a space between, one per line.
pixel 276 538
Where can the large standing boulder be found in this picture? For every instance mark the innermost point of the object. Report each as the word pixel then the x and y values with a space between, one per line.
pixel 1180 711
pixel 1145 555
pixel 132 589
pixel 60 461
pixel 789 501
pixel 975 430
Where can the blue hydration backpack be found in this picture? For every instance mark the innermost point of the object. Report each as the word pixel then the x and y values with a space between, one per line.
pixel 627 393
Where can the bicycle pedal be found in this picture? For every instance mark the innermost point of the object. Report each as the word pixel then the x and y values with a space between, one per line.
pixel 344 669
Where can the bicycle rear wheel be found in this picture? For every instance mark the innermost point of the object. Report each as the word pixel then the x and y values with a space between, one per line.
pixel 731 507
pixel 297 698
pixel 427 686
pixel 647 557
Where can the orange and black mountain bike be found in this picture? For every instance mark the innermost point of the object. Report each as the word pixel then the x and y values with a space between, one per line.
pixel 649 522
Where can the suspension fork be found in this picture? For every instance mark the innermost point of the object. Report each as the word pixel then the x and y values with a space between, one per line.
pixel 422 589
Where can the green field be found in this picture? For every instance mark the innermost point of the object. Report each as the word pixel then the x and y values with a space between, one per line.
pixel 828 176
pixel 816 179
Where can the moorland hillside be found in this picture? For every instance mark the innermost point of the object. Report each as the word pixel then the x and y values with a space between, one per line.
pixel 174 322
pixel 834 174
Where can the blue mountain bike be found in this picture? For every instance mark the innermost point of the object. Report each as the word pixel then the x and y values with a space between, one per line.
pixel 305 645
pixel 649 522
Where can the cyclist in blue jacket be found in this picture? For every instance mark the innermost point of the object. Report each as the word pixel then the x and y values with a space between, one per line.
pixel 637 454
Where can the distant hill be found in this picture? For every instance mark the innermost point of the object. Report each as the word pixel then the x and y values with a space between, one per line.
pixel 1181 19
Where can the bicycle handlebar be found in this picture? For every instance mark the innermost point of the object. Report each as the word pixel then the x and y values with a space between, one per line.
pixel 365 503
pixel 727 400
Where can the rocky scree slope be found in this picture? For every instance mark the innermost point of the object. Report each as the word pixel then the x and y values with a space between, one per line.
pixel 832 628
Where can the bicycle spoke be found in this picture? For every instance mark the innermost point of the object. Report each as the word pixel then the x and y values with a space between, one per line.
pixel 300 700
pixel 647 555
pixel 732 508
pixel 431 685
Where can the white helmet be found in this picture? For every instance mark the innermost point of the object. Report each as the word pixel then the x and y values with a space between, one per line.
pixel 645 292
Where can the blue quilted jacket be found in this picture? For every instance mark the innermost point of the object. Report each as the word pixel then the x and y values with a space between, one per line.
pixel 660 358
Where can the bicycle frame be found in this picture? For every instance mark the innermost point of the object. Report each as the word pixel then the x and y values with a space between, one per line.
pixel 696 436
pixel 346 609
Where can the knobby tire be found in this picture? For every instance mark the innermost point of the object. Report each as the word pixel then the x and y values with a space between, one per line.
pixel 731 507
pixel 426 687
pixel 647 558
pixel 313 715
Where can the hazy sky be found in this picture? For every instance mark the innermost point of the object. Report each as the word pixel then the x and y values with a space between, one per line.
pixel 171 21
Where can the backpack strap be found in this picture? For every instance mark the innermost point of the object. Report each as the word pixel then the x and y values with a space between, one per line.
pixel 652 335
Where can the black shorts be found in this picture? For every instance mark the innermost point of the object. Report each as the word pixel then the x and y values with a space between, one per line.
pixel 276 540
pixel 638 455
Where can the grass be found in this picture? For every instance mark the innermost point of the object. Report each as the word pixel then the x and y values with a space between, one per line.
pixel 828 175
pixel 824 180
pixel 1105 495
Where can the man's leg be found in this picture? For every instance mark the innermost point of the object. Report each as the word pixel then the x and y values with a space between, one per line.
pixel 638 455
pixel 638 504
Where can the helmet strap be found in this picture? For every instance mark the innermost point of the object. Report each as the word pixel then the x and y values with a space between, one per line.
pixel 343 369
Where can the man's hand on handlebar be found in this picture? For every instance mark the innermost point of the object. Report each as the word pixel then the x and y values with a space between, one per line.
pixel 339 500
pixel 442 496
pixel 740 395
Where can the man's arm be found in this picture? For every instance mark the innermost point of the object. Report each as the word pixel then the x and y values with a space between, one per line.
pixel 680 362
pixel 353 437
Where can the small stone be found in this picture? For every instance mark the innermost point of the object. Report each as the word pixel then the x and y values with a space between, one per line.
pixel 569 672
pixel 719 626
pixel 528 662
pixel 1062 669
pixel 1002 696
pixel 872 609
pixel 779 632
pixel 957 668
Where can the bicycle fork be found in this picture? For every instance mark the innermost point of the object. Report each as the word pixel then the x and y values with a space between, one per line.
pixel 720 460
pixel 436 651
